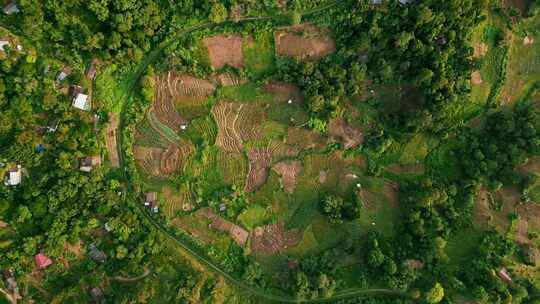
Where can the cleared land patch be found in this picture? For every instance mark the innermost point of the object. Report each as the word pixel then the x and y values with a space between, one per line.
pixel 304 42
pixel 349 136
pixel 225 50
pixel 273 239
pixel 259 162
pixel 238 234
pixel 289 171
pixel 284 91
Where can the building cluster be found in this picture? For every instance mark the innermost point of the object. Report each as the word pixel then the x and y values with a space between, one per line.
pixel 150 201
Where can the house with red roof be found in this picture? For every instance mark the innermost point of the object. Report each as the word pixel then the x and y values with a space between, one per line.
pixel 42 260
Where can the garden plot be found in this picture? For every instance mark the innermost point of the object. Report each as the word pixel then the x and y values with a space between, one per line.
pixel 259 163
pixel 349 136
pixel 225 50
pixel 229 79
pixel 284 91
pixel 177 200
pixel 237 233
pixel 237 123
pixel 305 139
pixel 304 42
pixel 274 239
pixel 289 171
pixel 159 162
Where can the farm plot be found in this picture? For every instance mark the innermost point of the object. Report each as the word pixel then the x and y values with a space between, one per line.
pixel 305 139
pixel 349 136
pixel 225 50
pixel 159 162
pixel 284 91
pixel 523 68
pixel 304 42
pixel 259 163
pixel 274 239
pixel 177 200
pixel 237 233
pixel 110 139
pixel 289 171
pixel 237 123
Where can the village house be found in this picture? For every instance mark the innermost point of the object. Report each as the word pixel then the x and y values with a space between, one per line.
pixel 13 176
pixel 504 275
pixel 42 260
pixel 81 102
pixel 88 163
pixel 95 254
pixel 63 74
pixel 11 8
pixel 3 44
pixel 150 201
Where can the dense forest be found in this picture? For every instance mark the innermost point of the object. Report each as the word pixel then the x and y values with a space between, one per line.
pixel 77 228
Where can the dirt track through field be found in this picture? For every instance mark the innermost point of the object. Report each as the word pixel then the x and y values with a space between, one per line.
pixel 110 138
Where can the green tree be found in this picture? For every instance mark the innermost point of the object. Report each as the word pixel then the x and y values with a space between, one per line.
pixel 435 294
pixel 218 13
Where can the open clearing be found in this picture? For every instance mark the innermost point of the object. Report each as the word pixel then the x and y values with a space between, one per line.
pixel 289 171
pixel 304 42
pixel 225 50
pixel 273 239
pixel 349 136
pixel 238 234
pixel 284 91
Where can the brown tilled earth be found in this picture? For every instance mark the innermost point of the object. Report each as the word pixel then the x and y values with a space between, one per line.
pixel 304 42
pixel 225 50
pixel 349 136
pixel 284 91
pixel 273 239
pixel 239 234
pixel 259 163
pixel 406 169
pixel 110 138
pixel 289 171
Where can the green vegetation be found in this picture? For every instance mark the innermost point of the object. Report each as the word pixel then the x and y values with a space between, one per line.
pixel 347 156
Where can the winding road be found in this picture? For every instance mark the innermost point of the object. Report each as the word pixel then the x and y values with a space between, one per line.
pixel 185 245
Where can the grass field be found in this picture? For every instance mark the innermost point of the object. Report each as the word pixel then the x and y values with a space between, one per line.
pixel 109 91
pixel 259 54
pixel 254 216
pixel 523 69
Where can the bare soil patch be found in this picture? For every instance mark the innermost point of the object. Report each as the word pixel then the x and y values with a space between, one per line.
pixel 289 171
pixel 237 123
pixel 259 163
pixel 528 40
pixel 304 42
pixel 349 136
pixel 273 239
pixel 110 138
pixel 304 139
pixel 284 91
pixel 160 162
pixel 238 234
pixel 225 50
pixel 480 50
pixel 476 77
pixel 531 166
pixel 521 5
pixel 529 215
